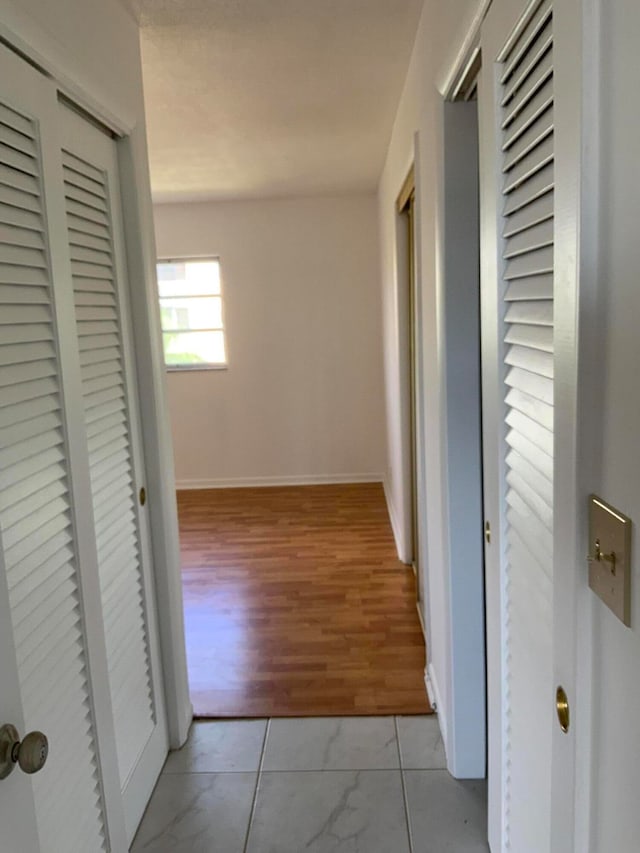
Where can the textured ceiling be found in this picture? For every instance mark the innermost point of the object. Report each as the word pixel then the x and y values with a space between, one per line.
pixel 250 98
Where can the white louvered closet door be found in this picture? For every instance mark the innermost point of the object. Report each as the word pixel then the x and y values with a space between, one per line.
pixel 52 662
pixel 520 98
pixel 96 248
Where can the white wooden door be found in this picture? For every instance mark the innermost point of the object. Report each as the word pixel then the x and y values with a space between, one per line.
pixel 517 209
pixel 53 662
pixel 109 392
pixel 79 657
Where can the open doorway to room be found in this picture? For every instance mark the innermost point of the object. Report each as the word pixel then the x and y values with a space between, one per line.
pixel 406 244
pixel 294 593
pixel 295 600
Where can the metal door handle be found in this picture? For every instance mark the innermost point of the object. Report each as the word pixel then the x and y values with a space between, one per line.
pixel 30 753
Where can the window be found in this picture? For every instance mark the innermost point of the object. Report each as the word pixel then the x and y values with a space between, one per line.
pixel 191 313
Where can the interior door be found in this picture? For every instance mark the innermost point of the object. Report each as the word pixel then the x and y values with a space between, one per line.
pixel 110 415
pixel 517 224
pixel 52 656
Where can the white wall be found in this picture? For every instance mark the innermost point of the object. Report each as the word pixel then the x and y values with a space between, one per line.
pixel 301 400
pixel 615 666
pixel 418 134
pixel 78 42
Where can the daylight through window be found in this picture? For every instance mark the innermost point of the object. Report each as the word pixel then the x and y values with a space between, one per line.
pixel 191 313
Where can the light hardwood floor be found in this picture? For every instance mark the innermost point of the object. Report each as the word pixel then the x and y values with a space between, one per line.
pixel 296 604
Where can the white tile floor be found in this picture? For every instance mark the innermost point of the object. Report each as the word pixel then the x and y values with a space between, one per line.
pixel 324 785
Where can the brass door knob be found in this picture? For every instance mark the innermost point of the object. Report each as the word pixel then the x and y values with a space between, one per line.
pixel 30 753
pixel 562 709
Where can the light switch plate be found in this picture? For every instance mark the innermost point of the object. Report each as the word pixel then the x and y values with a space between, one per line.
pixel 610 557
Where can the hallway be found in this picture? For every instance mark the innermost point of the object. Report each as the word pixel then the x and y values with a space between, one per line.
pixel 297 605
pixel 338 785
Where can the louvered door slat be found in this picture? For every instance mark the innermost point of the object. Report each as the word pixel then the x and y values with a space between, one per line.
pixel 24 586
pixel 16 121
pixel 534 237
pixel 527 143
pixel 535 337
pixel 18 198
pixel 530 359
pixel 22 431
pixel 19 218
pixel 14 235
pixel 19 161
pixel 543 44
pixel 538 313
pixel 34 520
pixel 534 432
pixel 537 75
pixel 540 184
pixel 539 210
pixel 36 528
pixel 111 487
pixel 108 421
pixel 527 166
pixel 56 679
pixel 16 294
pixel 110 455
pixel 535 409
pixel 20 510
pixel 23 412
pixel 49 661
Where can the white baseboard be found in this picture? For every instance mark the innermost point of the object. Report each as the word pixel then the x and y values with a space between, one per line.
pixel 287 480
pixel 433 691
pixel 423 627
pixel 395 526
pixel 392 516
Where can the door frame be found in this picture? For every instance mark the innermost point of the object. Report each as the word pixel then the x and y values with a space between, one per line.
pixel 408 321
pixel 578 376
pixel 409 291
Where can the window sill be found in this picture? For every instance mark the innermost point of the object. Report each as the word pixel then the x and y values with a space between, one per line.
pixel 189 368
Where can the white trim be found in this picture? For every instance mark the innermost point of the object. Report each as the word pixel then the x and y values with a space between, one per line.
pixel 395 525
pixel 158 445
pixel 451 69
pixel 286 480
pixel 433 692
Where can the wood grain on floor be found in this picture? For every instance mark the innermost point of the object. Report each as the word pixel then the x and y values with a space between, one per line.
pixel 296 604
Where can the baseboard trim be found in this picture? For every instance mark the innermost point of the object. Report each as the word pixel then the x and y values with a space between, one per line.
pixel 392 518
pixel 433 691
pixel 395 527
pixel 422 625
pixel 291 480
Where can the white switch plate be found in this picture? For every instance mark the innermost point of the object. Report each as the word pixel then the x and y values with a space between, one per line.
pixel 610 557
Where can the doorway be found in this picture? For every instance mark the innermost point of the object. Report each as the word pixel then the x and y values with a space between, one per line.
pixel 406 208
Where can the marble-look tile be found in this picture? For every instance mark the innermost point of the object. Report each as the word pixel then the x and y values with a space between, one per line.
pixel 221 746
pixel 197 813
pixel 332 743
pixel 329 812
pixel 447 815
pixel 421 744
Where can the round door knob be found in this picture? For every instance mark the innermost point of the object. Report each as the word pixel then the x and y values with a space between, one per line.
pixel 30 753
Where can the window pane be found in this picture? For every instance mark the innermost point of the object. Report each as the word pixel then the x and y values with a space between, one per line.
pixel 189 278
pixel 194 348
pixel 198 313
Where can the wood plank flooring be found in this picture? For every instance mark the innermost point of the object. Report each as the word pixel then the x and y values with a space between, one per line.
pixel 296 604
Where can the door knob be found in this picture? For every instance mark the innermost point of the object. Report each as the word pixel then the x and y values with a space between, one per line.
pixel 30 753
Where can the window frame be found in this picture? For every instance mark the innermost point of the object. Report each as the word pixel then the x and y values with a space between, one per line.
pixel 186 368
